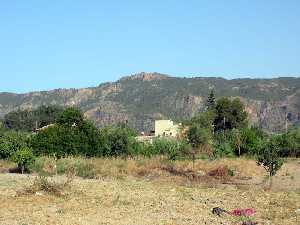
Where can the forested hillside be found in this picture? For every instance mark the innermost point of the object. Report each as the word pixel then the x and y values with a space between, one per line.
pixel 141 98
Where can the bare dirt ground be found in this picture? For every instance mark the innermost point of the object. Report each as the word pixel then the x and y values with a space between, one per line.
pixel 147 200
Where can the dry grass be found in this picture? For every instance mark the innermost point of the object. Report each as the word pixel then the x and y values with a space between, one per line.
pixel 6 165
pixel 178 171
pixel 41 185
pixel 184 172
pixel 154 191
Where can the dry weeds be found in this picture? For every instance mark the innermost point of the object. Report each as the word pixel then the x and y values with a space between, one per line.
pixel 144 192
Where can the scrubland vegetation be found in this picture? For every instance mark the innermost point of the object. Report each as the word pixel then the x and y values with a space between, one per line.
pixel 218 160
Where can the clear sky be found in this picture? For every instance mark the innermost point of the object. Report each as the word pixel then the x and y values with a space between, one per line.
pixel 80 43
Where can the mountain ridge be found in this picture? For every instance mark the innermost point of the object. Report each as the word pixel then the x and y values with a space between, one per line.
pixel 140 73
pixel 143 97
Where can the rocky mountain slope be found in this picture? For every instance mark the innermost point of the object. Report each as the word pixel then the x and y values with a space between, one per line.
pixel 141 98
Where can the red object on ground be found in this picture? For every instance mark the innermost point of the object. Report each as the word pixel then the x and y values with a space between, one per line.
pixel 243 212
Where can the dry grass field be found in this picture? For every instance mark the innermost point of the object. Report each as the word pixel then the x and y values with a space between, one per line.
pixel 153 191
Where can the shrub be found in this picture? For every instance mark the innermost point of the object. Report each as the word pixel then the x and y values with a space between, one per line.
pixel 198 136
pixel 10 142
pixel 251 139
pixel 223 145
pixel 146 150
pixel 268 156
pixel 117 141
pixel 79 167
pixel 290 143
pixel 168 146
pixel 48 186
pixel 23 157
pixel 44 166
pixel 136 148
pixel 56 141
pixel 72 135
pixel 85 170
pixel 47 166
pixel 222 172
pixel 61 141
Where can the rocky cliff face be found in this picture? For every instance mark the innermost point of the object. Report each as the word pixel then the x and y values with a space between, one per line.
pixel 141 98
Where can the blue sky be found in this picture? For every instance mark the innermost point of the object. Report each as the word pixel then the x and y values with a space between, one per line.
pixel 80 43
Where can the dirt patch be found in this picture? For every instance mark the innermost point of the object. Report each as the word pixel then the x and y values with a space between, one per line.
pixel 163 193
pixel 136 201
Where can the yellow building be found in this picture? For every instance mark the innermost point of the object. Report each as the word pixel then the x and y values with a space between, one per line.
pixel 166 128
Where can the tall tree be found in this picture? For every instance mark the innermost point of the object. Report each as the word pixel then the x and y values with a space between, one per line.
pixel 230 114
pixel 211 100
pixel 71 117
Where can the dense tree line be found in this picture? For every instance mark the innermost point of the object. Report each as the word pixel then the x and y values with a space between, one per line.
pixel 223 129
pixel 220 131
pixel 30 120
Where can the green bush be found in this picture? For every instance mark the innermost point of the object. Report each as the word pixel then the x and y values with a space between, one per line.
pixel 170 147
pixel 235 142
pixel 72 136
pixel 251 139
pixel 10 142
pixel 290 143
pixel 118 141
pixel 85 170
pixel 200 129
pixel 44 166
pixel 136 148
pixel 223 145
pixel 23 157
pixel 71 117
pixel 48 166
pixel 144 149
pixel 199 136
pixel 80 167
pixel 269 156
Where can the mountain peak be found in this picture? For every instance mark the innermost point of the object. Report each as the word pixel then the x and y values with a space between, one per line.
pixel 144 76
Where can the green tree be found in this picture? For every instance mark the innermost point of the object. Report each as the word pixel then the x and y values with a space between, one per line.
pixel 72 135
pixel 116 141
pixel 211 100
pixel 290 143
pixel 198 136
pixel 200 129
pixel 10 142
pixel 71 117
pixel 268 156
pixel 251 139
pixel 23 157
pixel 203 119
pixel 200 132
pixel 30 120
pixel 230 114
